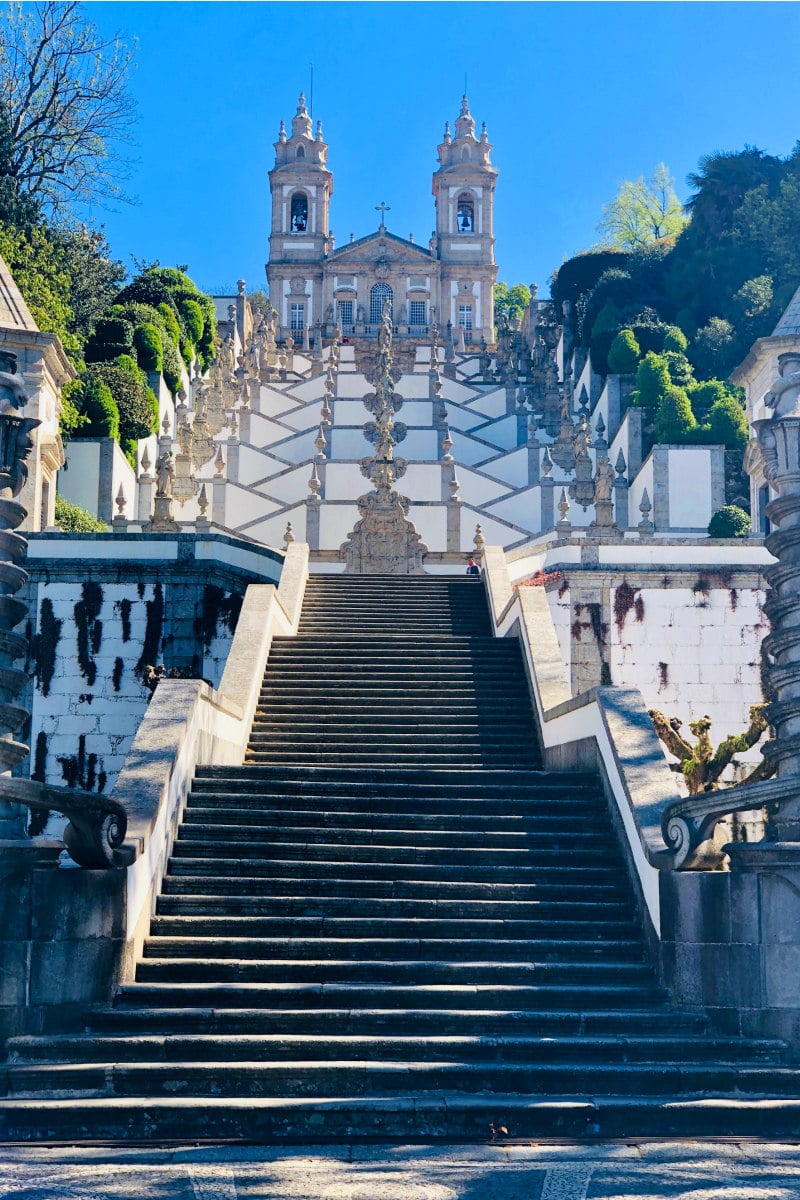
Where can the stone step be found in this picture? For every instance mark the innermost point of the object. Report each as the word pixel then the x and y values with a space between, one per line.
pixel 415 1117
pixel 371 855
pixel 421 737
pixel 585 932
pixel 486 783
pixel 198 880
pixel 523 802
pixel 455 947
pixel 354 757
pixel 580 882
pixel 409 971
pixel 242 824
pixel 193 895
pixel 133 1021
pixel 304 1048
pixel 479 996
pixel 370 1077
pixel 222 808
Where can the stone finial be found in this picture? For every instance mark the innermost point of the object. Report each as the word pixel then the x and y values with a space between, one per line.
pixel 202 502
pixel 319 132
pixel 479 542
pixel 219 461
pixel 645 526
pixel 547 463
pixel 563 525
pixel 320 441
pixel 121 502
pixel 146 464
pixel 314 485
pixel 282 132
pixel 620 466
pixel 447 446
pixel 600 440
pixel 288 536
pixel 453 485
pixel 166 425
pixel 240 286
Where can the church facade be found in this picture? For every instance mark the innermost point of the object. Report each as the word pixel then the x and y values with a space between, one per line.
pixel 314 284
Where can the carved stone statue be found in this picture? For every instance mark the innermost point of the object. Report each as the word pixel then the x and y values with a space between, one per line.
pixel 165 473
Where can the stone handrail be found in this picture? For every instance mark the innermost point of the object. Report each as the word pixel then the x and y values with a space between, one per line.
pixel 606 727
pixel 96 827
pixel 188 723
pixel 689 822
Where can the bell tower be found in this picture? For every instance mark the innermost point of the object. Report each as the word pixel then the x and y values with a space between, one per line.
pixel 464 189
pixel 301 187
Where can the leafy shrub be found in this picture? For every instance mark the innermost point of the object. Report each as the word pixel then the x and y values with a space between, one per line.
pixel 729 522
pixel 578 275
pixel 652 381
pixel 679 367
pixel 171 366
pixel 713 347
pixel 137 403
pixel 675 340
pixel 704 395
pixel 71 419
pixel 145 289
pixel 111 336
pixel 95 402
pixel 147 341
pixel 170 322
pixel 71 518
pixel 727 423
pixel 623 357
pixel 193 321
pixel 674 421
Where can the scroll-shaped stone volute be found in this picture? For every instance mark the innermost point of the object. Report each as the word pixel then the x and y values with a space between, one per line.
pixel 15 445
pixel 779 442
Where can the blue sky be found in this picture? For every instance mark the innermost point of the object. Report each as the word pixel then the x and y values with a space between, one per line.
pixel 576 96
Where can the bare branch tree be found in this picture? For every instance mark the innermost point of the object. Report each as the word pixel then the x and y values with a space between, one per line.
pixel 63 88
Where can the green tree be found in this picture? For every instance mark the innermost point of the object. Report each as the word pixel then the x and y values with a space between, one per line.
pixel 623 357
pixel 643 211
pixel 727 423
pixel 510 301
pixel 714 349
pixel 674 420
pixel 652 382
pixel 63 88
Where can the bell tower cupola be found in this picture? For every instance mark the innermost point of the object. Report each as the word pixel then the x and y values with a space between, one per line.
pixel 464 187
pixel 301 186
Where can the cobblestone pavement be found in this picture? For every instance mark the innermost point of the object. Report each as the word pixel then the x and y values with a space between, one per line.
pixel 702 1170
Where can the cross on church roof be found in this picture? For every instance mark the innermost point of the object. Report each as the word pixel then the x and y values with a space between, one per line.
pixel 383 208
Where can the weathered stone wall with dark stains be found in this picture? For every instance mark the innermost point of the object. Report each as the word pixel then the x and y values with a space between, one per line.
pixel 98 619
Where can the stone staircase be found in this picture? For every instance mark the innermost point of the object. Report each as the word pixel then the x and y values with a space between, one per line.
pixel 390 922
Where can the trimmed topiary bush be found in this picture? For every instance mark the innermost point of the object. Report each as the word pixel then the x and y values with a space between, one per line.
pixel 193 321
pixel 94 400
pixel 674 421
pixel 111 336
pixel 727 423
pixel 729 522
pixel 137 403
pixel 624 355
pixel 71 518
pixel 675 339
pixel 652 381
pixel 147 342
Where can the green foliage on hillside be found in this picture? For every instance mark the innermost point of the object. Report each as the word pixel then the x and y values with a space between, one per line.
pixel 724 280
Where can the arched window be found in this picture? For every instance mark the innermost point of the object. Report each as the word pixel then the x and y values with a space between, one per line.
pixel 378 294
pixel 300 152
pixel 299 215
pixel 465 214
